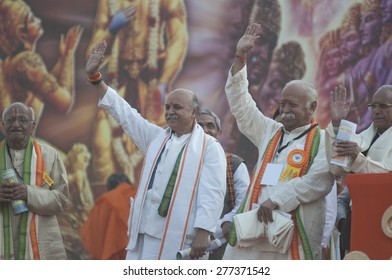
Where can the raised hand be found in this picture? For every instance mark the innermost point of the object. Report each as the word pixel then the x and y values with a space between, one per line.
pixel 96 58
pixel 248 40
pixel 339 105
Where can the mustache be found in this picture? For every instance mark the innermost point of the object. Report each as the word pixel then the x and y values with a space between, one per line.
pixel 169 117
pixel 287 116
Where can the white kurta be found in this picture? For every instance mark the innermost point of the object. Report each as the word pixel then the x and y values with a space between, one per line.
pixel 307 191
pixel 241 182
pixel 211 188
pixel 379 156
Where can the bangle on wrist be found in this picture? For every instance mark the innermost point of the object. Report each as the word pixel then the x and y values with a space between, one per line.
pixel 241 58
pixel 95 79
pixel 95 76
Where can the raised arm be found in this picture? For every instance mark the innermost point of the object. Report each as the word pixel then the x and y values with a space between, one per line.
pixel 244 45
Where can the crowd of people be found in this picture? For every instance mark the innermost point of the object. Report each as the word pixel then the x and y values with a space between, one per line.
pixel 190 191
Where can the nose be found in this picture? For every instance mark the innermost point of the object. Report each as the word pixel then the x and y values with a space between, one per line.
pixel 283 108
pixel 169 110
pixel 361 27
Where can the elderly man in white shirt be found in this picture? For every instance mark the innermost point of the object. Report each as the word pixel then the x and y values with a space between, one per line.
pixel 237 182
pixel 183 181
pixel 291 153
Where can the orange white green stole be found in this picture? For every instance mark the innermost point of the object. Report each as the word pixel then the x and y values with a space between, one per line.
pixel 33 172
pixel 254 189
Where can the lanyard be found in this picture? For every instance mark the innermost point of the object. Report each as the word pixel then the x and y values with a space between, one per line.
pixel 280 149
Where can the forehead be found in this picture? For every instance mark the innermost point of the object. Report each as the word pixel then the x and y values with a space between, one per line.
pixel 384 95
pixel 350 33
pixel 17 111
pixel 205 118
pixel 370 15
pixel 333 51
pixel 179 97
pixel 294 92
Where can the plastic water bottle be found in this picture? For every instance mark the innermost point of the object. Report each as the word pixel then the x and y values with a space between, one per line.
pixel 9 176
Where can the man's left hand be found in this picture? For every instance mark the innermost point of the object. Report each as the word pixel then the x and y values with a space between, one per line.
pixel 347 148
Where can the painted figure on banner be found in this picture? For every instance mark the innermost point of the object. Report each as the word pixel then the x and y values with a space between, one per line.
pixel 364 80
pixel 81 199
pixel 288 64
pixel 147 44
pixel 329 72
pixel 382 62
pixel 351 50
pixel 24 76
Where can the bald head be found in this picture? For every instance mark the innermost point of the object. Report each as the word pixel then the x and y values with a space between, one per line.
pixel 385 91
pixel 194 102
pixel 382 108
pixel 181 109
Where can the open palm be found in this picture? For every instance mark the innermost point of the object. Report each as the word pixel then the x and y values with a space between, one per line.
pixel 247 41
pixel 339 105
pixel 96 58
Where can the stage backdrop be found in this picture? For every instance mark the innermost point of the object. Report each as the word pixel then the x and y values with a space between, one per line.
pixel 170 44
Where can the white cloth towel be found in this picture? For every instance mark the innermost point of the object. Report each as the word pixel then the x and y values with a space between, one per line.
pixel 279 232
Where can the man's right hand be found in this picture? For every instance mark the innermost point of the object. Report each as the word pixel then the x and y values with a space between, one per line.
pixel 6 192
pixel 244 45
pixel 248 40
pixel 96 58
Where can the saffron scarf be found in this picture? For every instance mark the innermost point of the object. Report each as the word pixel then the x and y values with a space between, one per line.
pixel 254 189
pixel 33 172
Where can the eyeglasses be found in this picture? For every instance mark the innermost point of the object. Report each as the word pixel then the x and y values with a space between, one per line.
pixel 22 121
pixel 382 106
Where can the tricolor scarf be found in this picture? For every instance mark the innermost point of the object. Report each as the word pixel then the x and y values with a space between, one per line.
pixel 311 147
pixel 184 191
pixel 33 170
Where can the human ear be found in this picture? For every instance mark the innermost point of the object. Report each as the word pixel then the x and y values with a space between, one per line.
pixel 313 107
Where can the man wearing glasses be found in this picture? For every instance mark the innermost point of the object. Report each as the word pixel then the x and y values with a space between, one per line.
pixel 40 180
pixel 371 151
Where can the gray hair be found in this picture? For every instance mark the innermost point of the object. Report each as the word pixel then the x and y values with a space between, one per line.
pixel 384 88
pixel 309 89
pixel 32 113
pixel 208 112
pixel 196 105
